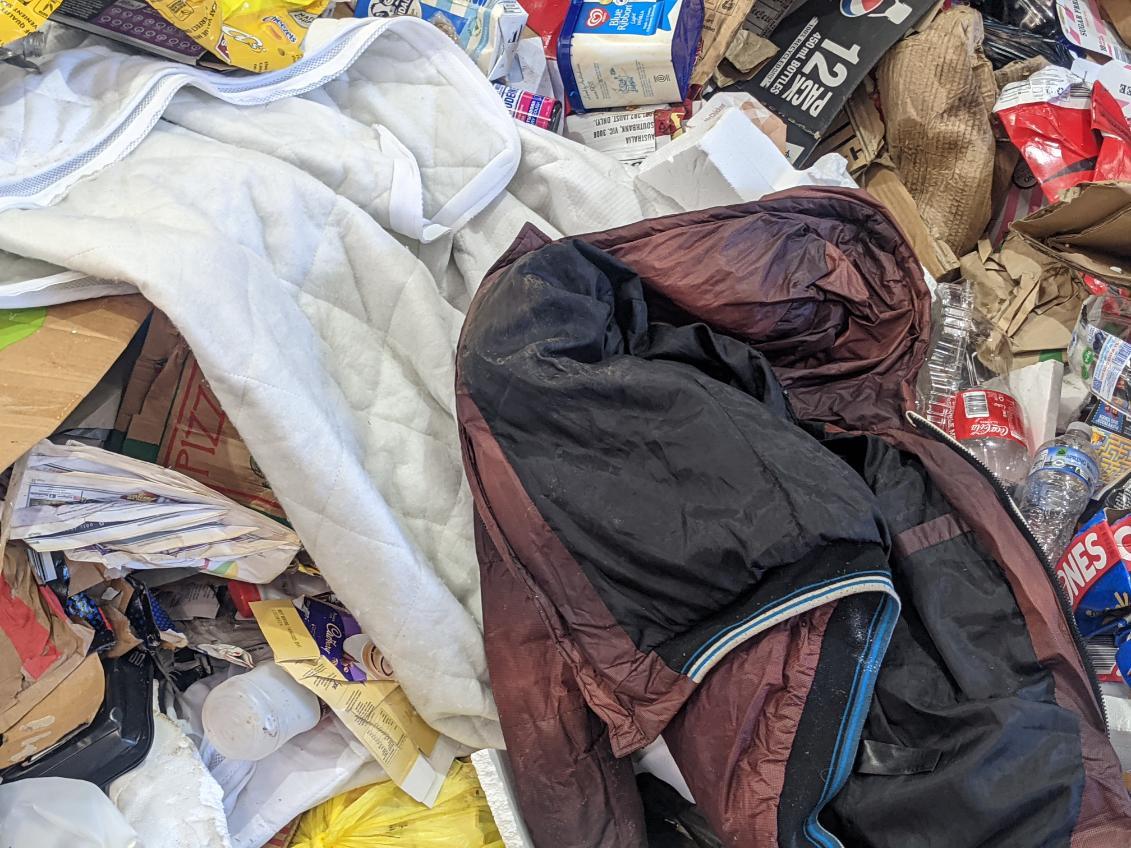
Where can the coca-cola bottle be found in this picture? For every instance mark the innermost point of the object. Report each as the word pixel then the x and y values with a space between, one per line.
pixel 990 425
pixel 958 395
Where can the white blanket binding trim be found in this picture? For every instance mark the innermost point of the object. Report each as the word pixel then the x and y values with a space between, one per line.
pixel 315 69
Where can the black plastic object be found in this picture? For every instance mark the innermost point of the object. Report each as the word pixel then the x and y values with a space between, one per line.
pixel 672 821
pixel 1004 43
pixel 1032 16
pixel 116 741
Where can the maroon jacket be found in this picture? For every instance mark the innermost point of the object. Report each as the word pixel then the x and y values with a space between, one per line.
pixel 698 500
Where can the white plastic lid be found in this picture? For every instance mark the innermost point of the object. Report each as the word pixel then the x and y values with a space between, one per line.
pixel 251 716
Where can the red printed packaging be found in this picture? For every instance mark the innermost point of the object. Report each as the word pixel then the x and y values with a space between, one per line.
pixel 530 108
pixel 1114 159
pixel 1049 119
pixel 1066 132
pixel 986 414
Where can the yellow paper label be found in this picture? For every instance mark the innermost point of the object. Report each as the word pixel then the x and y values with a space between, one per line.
pixel 285 631
pixel 421 732
pixel 362 708
pixel 377 712
pixel 19 18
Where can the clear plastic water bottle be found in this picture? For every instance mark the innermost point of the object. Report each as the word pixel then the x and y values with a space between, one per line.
pixel 987 422
pixel 1063 478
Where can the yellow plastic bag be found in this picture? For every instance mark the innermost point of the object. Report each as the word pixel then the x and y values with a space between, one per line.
pixel 382 814
pixel 256 35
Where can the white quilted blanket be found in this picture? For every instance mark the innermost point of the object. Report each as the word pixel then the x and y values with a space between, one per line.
pixel 316 234
pixel 317 252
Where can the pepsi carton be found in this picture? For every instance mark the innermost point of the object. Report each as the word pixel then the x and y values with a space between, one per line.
pixel 825 49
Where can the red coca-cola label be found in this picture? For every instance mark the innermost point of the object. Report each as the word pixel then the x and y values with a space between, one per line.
pixel 985 414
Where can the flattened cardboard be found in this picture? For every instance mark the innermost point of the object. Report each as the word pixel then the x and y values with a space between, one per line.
pixel 71 705
pixel 150 376
pixel 1090 230
pixel 45 375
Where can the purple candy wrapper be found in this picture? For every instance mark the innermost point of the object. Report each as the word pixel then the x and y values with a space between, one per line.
pixel 331 626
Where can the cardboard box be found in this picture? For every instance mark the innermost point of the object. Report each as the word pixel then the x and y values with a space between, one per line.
pixel 72 705
pixel 170 416
pixel 826 50
pixel 39 646
pixel 1118 12
pixel 1089 230
pixel 51 358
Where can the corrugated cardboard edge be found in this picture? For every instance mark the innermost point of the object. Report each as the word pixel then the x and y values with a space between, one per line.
pixel 161 342
pixel 937 92
pixel 45 376
pixel 72 704
pixel 1083 206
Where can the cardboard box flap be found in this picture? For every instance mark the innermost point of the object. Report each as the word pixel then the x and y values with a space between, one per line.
pixel 1111 237
pixel 1090 231
pixel 1093 203
pixel 170 416
pixel 51 358
pixel 72 705
pixel 1111 268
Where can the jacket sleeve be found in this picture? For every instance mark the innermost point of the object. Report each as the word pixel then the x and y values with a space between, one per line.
pixel 572 791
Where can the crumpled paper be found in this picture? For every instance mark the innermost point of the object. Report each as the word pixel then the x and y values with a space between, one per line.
pixel 1030 300
pixel 937 91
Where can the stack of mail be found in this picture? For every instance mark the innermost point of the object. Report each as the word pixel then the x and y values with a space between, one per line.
pixel 123 513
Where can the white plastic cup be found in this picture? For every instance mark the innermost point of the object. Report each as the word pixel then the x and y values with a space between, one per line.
pixel 252 715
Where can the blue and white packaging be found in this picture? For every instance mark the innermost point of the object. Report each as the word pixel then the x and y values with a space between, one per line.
pixel 628 52
pixel 487 30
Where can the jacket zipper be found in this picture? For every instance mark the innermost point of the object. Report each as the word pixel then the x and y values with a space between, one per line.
pixel 921 423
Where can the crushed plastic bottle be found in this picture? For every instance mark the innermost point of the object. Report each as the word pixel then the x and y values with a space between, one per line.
pixel 1063 479
pixel 944 373
pixel 986 422
pixel 1100 349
